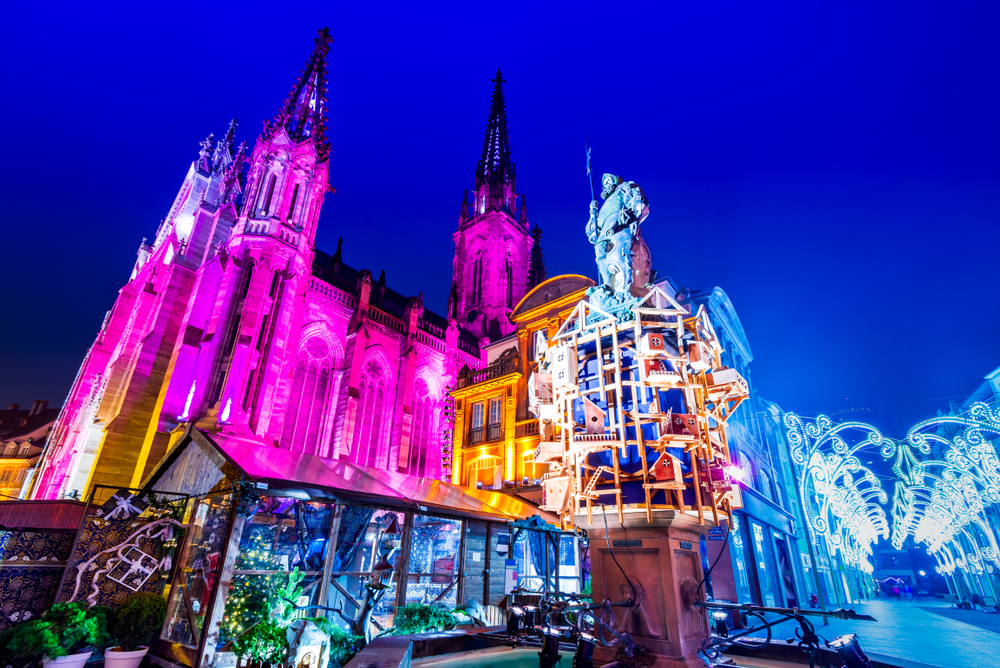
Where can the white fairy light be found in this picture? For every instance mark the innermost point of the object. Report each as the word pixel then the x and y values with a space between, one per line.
pixel 842 499
pixel 949 484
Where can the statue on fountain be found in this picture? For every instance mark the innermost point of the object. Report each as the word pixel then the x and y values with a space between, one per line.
pixel 623 260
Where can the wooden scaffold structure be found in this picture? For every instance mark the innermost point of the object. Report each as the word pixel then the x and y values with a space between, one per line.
pixel 654 383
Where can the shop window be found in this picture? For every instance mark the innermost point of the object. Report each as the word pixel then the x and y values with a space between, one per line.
pixel 282 544
pixel 767 574
pixel 484 472
pixel 740 564
pixel 476 426
pixel 434 561
pixel 197 570
pixel 532 472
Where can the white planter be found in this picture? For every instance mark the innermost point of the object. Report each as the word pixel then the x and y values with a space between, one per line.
pixel 113 658
pixel 68 661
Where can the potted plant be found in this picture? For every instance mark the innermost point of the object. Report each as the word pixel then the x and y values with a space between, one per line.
pixel 65 635
pixel 135 621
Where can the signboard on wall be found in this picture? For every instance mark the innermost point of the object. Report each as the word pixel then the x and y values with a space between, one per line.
pixel 510 576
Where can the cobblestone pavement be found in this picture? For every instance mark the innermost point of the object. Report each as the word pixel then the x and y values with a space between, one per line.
pixel 907 630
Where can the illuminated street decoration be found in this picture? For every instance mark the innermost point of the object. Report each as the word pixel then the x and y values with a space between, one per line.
pixel 948 486
pixel 842 499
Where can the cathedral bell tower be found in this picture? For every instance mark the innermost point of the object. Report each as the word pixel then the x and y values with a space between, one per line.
pixel 264 267
pixel 493 244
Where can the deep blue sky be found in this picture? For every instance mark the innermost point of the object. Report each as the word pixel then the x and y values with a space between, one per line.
pixel 835 167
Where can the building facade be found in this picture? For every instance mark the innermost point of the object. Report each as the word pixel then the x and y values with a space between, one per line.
pixel 22 435
pixel 234 322
pixel 495 435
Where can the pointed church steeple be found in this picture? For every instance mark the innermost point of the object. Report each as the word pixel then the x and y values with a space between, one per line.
pixel 303 114
pixel 536 266
pixel 493 242
pixel 223 155
pixel 495 176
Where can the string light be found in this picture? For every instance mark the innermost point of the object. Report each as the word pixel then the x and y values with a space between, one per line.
pixel 848 497
pixel 949 480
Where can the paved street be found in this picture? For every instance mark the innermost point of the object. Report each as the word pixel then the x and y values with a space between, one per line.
pixel 916 631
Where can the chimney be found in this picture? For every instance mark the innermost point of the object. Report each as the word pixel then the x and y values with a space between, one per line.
pixel 13 407
pixel 38 406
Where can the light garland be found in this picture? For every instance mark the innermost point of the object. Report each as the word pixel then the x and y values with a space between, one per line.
pixel 848 509
pixel 949 480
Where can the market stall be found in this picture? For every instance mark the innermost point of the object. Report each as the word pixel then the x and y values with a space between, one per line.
pixel 266 524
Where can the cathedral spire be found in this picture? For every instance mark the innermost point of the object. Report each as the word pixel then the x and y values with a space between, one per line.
pixel 223 155
pixel 536 265
pixel 303 114
pixel 495 169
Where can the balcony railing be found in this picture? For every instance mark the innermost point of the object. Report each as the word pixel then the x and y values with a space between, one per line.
pixel 529 428
pixel 475 435
pixel 501 367
pixel 494 432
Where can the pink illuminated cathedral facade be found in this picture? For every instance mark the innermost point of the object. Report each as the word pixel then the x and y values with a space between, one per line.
pixel 234 322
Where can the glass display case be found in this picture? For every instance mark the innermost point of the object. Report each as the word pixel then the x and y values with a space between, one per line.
pixel 281 556
pixel 197 569
pixel 435 561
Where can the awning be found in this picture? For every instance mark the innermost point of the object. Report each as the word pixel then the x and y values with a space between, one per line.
pixel 341 480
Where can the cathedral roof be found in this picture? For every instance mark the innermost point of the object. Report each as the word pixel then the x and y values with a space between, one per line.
pixel 303 114
pixel 346 279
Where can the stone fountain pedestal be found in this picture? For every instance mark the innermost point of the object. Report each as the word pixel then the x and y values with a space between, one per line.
pixel 663 561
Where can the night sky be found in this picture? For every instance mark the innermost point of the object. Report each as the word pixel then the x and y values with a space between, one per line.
pixel 835 167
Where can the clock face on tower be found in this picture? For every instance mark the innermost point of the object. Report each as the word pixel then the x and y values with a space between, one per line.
pixel 472 315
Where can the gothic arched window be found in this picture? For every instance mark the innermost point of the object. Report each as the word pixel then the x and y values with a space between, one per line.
pixel 510 284
pixel 477 279
pixel 424 427
pixel 309 399
pixel 369 434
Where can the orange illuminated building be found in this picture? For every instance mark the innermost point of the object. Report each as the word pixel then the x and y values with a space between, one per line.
pixel 495 434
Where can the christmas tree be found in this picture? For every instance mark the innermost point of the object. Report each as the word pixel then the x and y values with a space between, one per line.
pixel 250 595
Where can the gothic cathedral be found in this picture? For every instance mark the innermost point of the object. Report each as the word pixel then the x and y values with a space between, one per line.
pixel 234 323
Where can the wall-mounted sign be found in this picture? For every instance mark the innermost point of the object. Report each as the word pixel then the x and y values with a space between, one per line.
pixel 626 543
